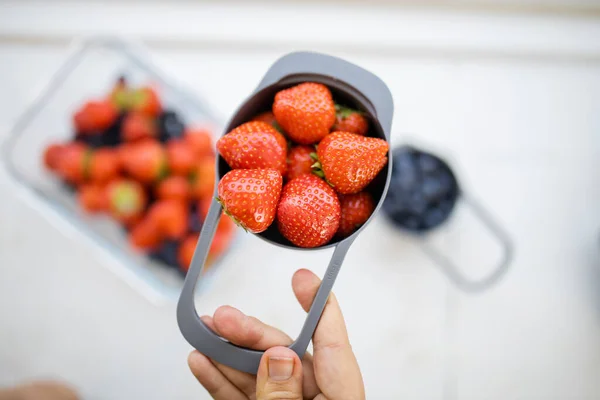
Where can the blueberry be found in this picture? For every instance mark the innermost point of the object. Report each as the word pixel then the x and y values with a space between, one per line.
pixel 405 179
pixel 398 199
pixel 112 136
pixel 194 222
pixel 170 126
pixel 391 199
pixel 433 188
pixel 395 205
pixel 404 197
pixel 447 181
pixel 406 220
pixel 434 217
pixel 428 163
pixel 447 205
pixel 417 202
pixel 403 160
pixel 68 186
pixel 422 190
pixel 404 172
pixel 390 204
pixel 412 222
pixel 399 217
pixel 167 253
pixel 93 140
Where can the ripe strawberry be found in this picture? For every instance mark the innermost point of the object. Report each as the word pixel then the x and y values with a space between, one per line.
pixel 92 198
pixel 356 210
pixel 186 250
pixel 202 178
pixel 349 120
pixel 203 206
pixel 171 217
pixel 250 196
pixel 105 165
pixel 73 165
pixel 52 155
pixel 200 140
pixel 308 214
pixel 173 188
pixel 299 161
pixel 144 160
pixel 180 157
pixel 94 117
pixel 350 162
pixel 254 145
pixel 138 126
pixel 221 242
pixel 306 112
pixel 145 235
pixel 219 245
pixel 269 118
pixel 146 101
pixel 126 200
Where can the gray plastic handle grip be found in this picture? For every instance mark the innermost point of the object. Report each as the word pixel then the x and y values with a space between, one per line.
pixel 207 342
pixel 452 271
pixel 377 97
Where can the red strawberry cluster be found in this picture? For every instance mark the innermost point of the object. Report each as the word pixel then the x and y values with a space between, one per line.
pixel 134 160
pixel 305 167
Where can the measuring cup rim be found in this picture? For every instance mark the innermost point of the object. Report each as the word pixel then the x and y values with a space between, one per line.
pixel 339 86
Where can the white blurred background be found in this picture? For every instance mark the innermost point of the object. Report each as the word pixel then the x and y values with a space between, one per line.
pixel 507 91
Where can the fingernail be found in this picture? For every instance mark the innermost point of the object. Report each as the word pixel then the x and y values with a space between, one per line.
pixel 280 368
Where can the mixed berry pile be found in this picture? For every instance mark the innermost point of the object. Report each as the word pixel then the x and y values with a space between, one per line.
pixel 304 167
pixel 138 162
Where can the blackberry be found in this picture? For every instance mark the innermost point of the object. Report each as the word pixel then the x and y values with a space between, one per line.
pixel 170 126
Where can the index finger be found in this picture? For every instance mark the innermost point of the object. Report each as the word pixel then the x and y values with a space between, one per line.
pixel 336 369
pixel 246 331
pixel 331 330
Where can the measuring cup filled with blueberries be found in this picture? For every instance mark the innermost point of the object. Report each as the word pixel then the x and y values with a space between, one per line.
pixel 422 196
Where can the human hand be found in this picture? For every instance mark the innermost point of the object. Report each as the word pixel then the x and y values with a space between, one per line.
pixel 332 373
pixel 39 390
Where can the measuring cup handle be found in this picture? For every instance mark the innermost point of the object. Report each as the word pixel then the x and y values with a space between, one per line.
pixel 213 346
pixel 452 271
pixel 362 81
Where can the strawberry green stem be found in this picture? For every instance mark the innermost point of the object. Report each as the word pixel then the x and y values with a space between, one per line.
pixel 278 127
pixel 317 169
pixel 344 112
pixel 87 162
pixel 163 170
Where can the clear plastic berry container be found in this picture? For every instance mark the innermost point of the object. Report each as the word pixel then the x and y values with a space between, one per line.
pixel 89 71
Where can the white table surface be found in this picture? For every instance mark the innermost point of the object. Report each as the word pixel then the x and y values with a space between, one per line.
pixel 512 101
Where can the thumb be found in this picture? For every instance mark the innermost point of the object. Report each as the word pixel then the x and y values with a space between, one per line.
pixel 279 375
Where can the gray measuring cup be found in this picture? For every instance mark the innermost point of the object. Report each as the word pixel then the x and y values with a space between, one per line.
pixel 403 212
pixel 350 85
